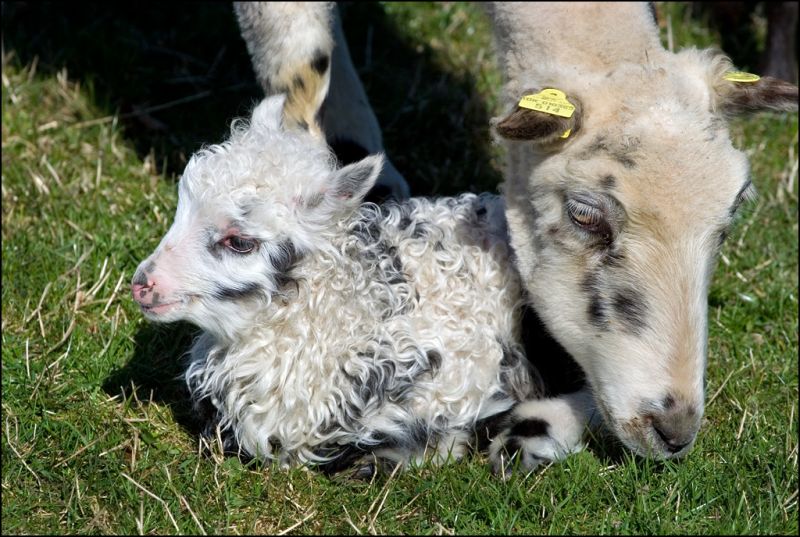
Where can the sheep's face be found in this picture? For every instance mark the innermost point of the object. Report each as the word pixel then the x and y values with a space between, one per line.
pixel 617 228
pixel 248 211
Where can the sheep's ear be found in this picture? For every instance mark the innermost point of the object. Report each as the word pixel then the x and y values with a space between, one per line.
pixel 767 93
pixel 539 127
pixel 352 182
pixel 269 113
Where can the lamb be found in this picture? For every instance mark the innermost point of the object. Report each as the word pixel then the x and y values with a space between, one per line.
pixel 335 331
pixel 616 209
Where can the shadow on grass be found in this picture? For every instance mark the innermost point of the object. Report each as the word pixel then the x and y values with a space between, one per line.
pixel 132 57
pixel 155 372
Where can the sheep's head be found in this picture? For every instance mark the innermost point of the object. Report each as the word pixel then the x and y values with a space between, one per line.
pixel 248 210
pixel 617 225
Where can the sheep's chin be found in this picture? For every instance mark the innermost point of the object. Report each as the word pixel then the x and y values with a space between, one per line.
pixel 155 312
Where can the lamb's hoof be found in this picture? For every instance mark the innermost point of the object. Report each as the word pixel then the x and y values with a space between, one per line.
pixel 364 472
pixel 509 455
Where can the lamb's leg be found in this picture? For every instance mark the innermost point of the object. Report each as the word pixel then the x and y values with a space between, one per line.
pixel 298 48
pixel 542 430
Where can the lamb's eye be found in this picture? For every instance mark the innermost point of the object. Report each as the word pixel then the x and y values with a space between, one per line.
pixel 585 216
pixel 240 245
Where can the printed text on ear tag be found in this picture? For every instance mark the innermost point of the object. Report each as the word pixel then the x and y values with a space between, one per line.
pixel 549 101
pixel 741 76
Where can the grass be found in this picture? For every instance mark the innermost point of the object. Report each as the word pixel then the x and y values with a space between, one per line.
pixel 96 434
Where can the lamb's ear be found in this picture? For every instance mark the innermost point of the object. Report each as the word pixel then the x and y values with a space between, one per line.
pixel 352 182
pixel 539 127
pixel 766 93
pixel 269 112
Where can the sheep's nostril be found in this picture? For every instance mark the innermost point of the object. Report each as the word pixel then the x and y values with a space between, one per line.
pixel 674 443
pixel 140 292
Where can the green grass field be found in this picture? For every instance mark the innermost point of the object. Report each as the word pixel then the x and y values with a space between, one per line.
pixel 102 105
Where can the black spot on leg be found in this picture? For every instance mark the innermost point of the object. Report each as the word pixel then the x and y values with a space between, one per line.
pixel 320 62
pixel 303 124
pixel 631 309
pixel 530 427
pixel 512 447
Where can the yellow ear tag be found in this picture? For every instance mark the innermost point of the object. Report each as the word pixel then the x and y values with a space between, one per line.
pixel 549 101
pixel 741 76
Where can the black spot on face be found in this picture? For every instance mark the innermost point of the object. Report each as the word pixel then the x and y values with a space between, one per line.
pixel 613 258
pixel 140 278
pixel 320 62
pixel 303 124
pixel 530 427
pixel 283 260
pixel 237 293
pixel 151 266
pixel 608 182
pixel 668 402
pixel 631 310
pixel 597 308
pixel 298 82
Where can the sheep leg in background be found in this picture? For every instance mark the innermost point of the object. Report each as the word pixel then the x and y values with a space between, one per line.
pixel 314 69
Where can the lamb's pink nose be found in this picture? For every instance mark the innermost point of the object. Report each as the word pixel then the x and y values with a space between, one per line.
pixel 142 293
pixel 142 288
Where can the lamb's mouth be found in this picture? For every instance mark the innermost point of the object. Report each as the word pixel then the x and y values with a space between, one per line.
pixel 159 309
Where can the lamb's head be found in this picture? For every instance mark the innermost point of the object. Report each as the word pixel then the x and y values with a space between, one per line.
pixel 617 227
pixel 248 210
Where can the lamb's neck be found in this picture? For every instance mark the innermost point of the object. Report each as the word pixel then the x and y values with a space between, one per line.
pixel 544 42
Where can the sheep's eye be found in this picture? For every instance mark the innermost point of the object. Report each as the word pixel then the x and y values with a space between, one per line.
pixel 585 216
pixel 240 245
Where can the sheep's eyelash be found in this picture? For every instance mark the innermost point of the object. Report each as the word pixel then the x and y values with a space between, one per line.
pixel 747 194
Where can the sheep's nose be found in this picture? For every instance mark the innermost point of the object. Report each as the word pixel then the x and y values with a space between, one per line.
pixel 677 427
pixel 141 286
